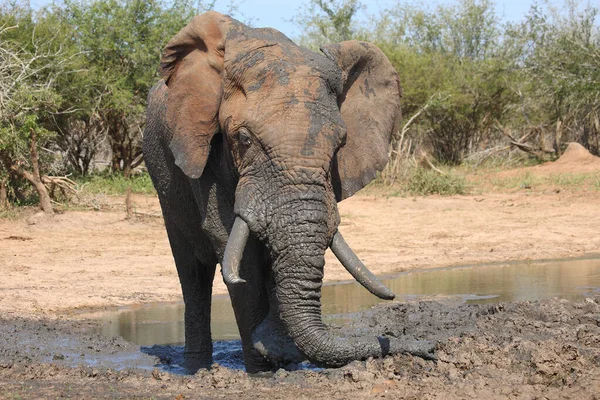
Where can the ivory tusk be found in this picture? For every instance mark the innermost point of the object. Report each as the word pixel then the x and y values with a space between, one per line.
pixel 357 269
pixel 230 267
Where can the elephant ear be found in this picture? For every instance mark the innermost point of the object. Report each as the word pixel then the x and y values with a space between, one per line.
pixel 370 107
pixel 192 65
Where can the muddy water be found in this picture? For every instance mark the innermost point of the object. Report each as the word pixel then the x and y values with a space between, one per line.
pixel 571 279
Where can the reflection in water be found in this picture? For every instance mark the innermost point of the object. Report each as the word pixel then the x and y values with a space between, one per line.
pixel 163 323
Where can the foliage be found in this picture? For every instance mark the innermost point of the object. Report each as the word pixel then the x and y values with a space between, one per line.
pixel 28 66
pixel 558 53
pixel 119 43
pixel 327 21
pixel 115 184
pixel 468 80
pixel 32 60
pixel 424 181
pixel 76 75
pixel 449 63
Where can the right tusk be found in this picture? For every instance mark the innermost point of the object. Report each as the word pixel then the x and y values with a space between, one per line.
pixel 357 269
pixel 230 267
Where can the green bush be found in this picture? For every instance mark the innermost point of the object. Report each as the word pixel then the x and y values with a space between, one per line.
pixel 426 181
pixel 420 181
pixel 115 184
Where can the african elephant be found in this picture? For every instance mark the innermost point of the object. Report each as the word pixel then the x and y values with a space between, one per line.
pixel 251 141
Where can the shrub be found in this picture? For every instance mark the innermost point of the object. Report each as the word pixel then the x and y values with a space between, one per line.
pixel 116 184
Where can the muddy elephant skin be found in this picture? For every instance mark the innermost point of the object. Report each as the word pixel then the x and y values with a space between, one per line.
pixel 250 142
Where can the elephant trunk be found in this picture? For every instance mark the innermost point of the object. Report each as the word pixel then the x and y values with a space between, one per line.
pixel 298 284
pixel 300 310
pixel 298 272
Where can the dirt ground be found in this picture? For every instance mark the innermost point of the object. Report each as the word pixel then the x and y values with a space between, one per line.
pixel 524 350
pixel 52 267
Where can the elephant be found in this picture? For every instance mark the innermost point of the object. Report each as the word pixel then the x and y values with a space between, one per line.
pixel 251 141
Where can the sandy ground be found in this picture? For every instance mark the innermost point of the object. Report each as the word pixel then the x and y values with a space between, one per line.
pixel 82 259
pixel 52 266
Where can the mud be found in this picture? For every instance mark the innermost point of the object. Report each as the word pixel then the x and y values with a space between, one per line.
pixel 548 349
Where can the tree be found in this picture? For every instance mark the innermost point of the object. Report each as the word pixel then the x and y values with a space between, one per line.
pixel 452 72
pixel 559 61
pixel 120 44
pixel 327 21
pixel 30 63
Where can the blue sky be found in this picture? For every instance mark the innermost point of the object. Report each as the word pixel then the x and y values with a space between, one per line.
pixel 277 13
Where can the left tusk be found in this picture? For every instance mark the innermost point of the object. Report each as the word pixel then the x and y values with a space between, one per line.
pixel 357 269
pixel 230 267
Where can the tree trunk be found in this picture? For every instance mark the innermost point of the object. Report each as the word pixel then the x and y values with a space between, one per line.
pixel 3 194
pixel 115 162
pixel 126 169
pixel 45 201
pixel 558 138
pixel 35 177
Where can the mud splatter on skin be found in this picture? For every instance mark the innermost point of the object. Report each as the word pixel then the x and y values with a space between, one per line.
pixel 279 70
pixel 366 89
pixel 272 72
pixel 241 32
pixel 257 85
pixel 320 118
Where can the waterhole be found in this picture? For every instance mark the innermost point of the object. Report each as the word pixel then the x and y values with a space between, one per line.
pixel 162 323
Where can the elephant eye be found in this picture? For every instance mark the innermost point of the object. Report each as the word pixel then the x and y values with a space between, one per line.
pixel 244 137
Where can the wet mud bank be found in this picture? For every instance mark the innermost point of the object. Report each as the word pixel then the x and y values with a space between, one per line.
pixel 529 349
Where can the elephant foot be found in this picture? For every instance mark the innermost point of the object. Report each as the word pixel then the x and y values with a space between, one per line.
pixel 194 361
pixel 255 362
pixel 276 346
pixel 424 349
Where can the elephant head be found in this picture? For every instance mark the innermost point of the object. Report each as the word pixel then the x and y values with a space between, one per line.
pixel 303 131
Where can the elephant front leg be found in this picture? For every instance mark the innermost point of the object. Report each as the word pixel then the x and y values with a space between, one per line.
pixel 196 276
pixel 273 341
pixel 197 294
pixel 250 308
pixel 270 337
pixel 250 303
pixel 265 340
